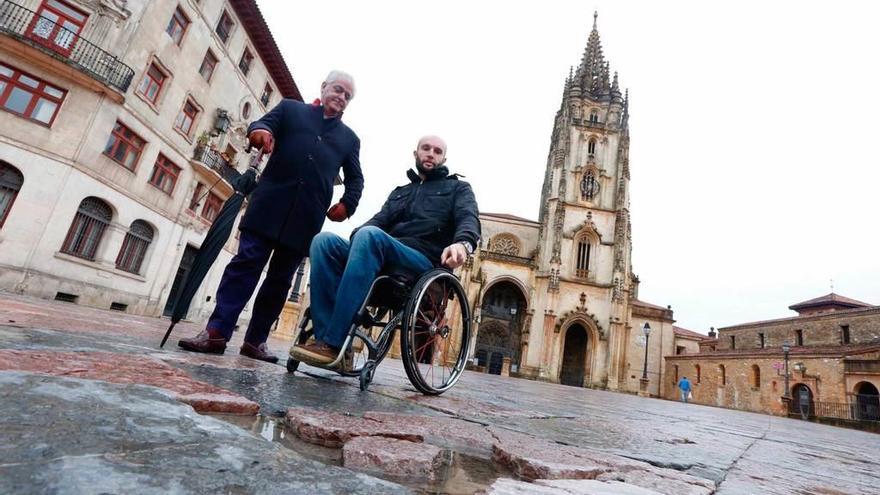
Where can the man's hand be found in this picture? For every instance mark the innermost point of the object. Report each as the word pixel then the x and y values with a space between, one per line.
pixel 262 139
pixel 337 212
pixel 453 256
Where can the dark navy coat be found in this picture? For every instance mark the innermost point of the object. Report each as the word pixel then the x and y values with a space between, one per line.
pixel 296 186
pixel 431 214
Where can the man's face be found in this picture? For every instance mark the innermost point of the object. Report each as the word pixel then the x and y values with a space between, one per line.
pixel 430 153
pixel 335 96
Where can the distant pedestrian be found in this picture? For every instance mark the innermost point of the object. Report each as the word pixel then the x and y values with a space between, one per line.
pixel 685 386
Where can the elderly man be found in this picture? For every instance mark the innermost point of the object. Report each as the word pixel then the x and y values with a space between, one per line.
pixel 431 221
pixel 309 144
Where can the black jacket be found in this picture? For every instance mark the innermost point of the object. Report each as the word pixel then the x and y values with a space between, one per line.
pixel 296 187
pixel 428 216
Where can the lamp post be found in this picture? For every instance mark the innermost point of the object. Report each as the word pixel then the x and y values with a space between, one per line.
pixel 647 331
pixel 785 348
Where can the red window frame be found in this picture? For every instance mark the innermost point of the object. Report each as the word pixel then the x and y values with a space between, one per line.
pixel 154 77
pixel 38 89
pixel 165 174
pixel 224 26
pixel 124 140
pixel 177 25
pixel 213 203
pixel 209 63
pixel 186 119
pixel 247 58
pixel 197 195
pixel 64 29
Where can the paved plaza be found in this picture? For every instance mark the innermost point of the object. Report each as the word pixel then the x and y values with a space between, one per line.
pixel 91 405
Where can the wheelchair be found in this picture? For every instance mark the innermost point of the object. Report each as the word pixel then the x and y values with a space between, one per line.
pixel 434 320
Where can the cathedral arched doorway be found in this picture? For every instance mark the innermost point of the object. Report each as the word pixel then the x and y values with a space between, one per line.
pixel 867 402
pixel 574 356
pixel 501 318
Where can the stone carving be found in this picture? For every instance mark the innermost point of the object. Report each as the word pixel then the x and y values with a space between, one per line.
pixel 505 244
pixel 554 280
pixel 582 315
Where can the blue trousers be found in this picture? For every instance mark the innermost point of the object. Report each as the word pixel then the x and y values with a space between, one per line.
pixel 240 279
pixel 343 271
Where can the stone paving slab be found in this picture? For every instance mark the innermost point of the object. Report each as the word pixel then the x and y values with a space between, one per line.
pixel 507 486
pixel 127 368
pixel 72 436
pixel 396 458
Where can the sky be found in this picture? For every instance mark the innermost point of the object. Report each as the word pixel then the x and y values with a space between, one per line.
pixel 754 127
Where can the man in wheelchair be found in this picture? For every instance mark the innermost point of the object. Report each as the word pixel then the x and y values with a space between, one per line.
pixel 432 221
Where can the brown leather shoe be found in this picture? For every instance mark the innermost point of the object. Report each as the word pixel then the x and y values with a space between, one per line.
pixel 203 342
pixel 260 352
pixel 314 353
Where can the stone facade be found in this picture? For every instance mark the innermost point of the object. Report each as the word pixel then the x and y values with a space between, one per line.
pixel 827 366
pixel 196 121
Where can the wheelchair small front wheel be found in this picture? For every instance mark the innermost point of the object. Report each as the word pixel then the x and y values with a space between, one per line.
pixel 436 333
pixel 302 337
pixel 366 374
pixel 292 365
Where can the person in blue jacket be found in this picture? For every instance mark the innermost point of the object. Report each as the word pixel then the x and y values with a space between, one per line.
pixel 308 146
pixel 684 385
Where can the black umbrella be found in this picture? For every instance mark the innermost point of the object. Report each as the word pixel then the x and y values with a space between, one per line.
pixel 214 241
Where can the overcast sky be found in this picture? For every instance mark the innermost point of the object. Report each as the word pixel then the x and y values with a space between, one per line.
pixel 754 127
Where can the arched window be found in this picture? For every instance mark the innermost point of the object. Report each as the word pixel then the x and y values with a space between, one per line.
pixel 723 374
pixel 756 376
pixel 87 228
pixel 594 116
pixel 246 110
pixel 134 247
pixel 582 260
pixel 11 180
pixel 589 186
pixel 591 147
pixel 698 373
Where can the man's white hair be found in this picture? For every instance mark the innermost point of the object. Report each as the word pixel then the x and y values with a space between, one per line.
pixel 338 75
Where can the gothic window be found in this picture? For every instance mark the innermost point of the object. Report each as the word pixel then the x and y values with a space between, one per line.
pixel 594 116
pixel 134 247
pixel 589 186
pixel 11 180
pixel 505 244
pixel 591 147
pixel 87 229
pixel 582 262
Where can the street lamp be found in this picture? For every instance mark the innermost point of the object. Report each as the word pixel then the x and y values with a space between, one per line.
pixel 647 331
pixel 785 348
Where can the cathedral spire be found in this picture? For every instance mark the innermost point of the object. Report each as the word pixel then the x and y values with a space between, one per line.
pixel 593 65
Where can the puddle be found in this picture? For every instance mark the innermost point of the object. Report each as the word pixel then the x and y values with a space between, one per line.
pixel 465 475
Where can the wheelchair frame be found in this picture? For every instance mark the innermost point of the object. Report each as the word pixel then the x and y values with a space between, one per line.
pixel 402 303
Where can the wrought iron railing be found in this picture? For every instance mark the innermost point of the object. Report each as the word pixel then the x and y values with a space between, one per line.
pixel 216 162
pixel 863 408
pixel 64 44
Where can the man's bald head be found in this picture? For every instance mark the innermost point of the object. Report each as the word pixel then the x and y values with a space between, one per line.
pixel 430 153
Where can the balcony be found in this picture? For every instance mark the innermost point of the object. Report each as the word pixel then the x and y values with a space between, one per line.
pixel 214 161
pixel 65 45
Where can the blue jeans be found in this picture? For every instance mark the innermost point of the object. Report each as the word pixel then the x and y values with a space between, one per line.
pixel 343 271
pixel 684 395
pixel 239 280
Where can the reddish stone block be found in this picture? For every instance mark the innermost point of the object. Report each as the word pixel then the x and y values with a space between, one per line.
pixel 332 429
pixel 663 481
pixel 129 369
pixel 396 458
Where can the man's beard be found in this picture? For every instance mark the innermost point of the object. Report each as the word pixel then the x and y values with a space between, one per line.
pixel 422 170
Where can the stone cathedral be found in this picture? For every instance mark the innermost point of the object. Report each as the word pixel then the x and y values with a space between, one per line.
pixel 556 299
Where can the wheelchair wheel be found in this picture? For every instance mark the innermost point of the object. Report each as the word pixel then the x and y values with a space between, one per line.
pixel 436 333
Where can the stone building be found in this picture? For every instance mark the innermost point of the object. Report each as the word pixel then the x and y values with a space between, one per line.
pixel 556 299
pixel 123 123
pixel 833 362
